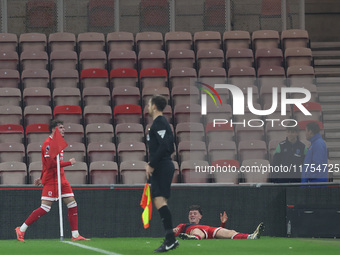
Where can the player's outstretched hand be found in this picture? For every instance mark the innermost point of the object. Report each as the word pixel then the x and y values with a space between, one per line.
pixel 73 161
pixel 37 182
pixel 223 217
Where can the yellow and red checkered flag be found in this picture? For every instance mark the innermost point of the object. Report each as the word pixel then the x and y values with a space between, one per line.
pixel 146 204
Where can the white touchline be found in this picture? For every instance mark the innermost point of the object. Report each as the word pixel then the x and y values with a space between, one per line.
pixel 91 248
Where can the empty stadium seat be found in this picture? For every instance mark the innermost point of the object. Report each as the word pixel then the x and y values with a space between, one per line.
pixel 241 76
pixel 268 57
pixel 9 78
pixel 122 59
pixel 104 172
pixel 37 96
pixel 266 39
pixel 123 77
pixel 151 59
pixel 62 41
pixel 294 38
pixel 97 114
pixel 212 76
pixel 33 60
pixel 96 96
pixel 192 150
pixel 99 151
pixel 131 151
pixel 9 59
pixel 183 95
pixel 94 77
pixel 13 173
pixel 36 133
pixel 178 41
pixel 92 59
pixel 12 151
pixel 275 132
pixel 218 150
pixel 255 176
pixel 271 76
pixel 101 132
pixel 66 96
pixel 35 78
pixel 217 112
pixel 65 78
pixel 127 113
pixel 153 77
pixel 219 132
pixel 300 75
pixel 236 40
pixel 225 175
pixel 32 42
pixel 8 41
pixel 11 133
pixel 252 149
pixel 182 76
pixel 120 41
pixel 244 133
pixel 34 152
pixel 298 57
pixel 91 41
pixel 149 41
pixel 10 96
pixel 185 112
pixel 129 132
pixel 181 58
pixel 34 170
pixel 63 60
pixel 68 113
pixel 73 132
pixel 37 114
pixel 188 131
pixel 75 150
pixel 207 40
pixel 125 95
pixel 132 172
pixel 210 58
pixel 190 170
pixel 239 57
pixel 77 173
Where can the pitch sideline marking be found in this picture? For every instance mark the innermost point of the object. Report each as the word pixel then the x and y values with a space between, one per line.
pixel 91 248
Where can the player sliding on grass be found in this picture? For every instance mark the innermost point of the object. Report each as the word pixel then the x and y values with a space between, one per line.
pixel 50 190
pixel 194 231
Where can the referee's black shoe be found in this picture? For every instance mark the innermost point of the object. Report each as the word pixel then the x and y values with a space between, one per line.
pixel 167 246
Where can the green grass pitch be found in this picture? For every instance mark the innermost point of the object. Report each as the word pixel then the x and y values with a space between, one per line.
pixel 140 246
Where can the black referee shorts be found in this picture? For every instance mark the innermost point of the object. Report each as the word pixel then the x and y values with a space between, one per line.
pixel 161 179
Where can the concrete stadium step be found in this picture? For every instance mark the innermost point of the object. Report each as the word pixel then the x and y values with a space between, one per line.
pixel 331 81
pixel 332 130
pixel 325 45
pixel 328 98
pixel 333 149
pixel 326 54
pixel 327 71
pixel 326 62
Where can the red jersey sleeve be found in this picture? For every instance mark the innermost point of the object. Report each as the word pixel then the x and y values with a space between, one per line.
pixel 222 225
pixel 181 228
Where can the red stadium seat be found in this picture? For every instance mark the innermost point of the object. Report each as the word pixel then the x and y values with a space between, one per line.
pixel 94 77
pixel 37 133
pixel 123 77
pixel 11 133
pixel 127 113
pixel 68 113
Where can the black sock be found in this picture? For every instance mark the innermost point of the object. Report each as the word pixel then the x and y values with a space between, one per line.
pixel 165 214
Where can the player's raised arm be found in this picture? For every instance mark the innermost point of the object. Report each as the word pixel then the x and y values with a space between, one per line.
pixel 223 218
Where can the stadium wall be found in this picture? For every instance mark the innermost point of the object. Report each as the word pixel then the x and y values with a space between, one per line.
pixel 115 211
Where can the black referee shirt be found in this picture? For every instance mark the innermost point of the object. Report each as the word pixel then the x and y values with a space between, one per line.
pixel 160 140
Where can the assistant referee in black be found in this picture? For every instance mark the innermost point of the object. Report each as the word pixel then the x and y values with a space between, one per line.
pixel 160 169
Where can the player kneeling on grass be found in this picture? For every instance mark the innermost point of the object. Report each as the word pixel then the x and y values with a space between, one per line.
pixel 194 231
pixel 49 180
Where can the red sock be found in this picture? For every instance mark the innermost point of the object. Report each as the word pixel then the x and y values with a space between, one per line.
pixel 240 236
pixel 35 215
pixel 73 218
pixel 199 237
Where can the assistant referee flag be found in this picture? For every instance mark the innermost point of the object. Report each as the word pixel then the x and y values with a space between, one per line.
pixel 146 204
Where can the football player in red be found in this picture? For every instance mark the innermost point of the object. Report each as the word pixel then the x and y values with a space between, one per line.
pixel 194 231
pixel 49 180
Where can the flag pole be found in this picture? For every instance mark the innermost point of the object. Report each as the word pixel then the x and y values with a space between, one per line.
pixel 60 202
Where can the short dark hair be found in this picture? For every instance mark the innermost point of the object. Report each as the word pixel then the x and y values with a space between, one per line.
pixel 159 101
pixel 54 123
pixel 195 207
pixel 314 127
